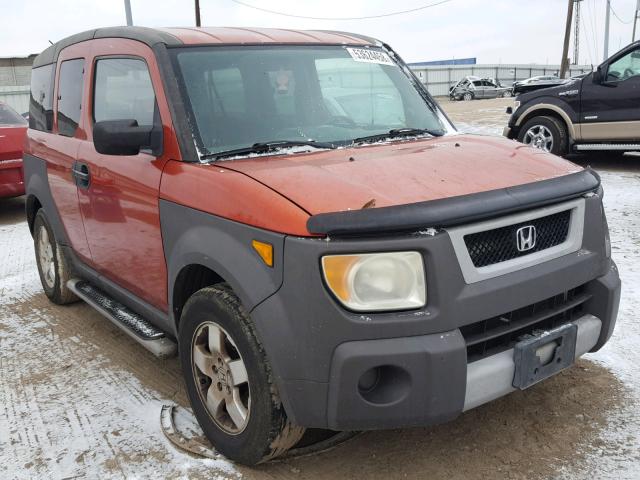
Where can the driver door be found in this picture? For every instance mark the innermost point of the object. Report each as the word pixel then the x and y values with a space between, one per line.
pixel 611 106
pixel 477 89
pixel 119 197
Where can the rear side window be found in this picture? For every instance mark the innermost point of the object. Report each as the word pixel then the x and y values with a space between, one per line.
pixel 70 86
pixel 41 102
pixel 123 91
pixel 8 116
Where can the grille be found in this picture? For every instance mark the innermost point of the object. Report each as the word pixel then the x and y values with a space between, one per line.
pixel 499 245
pixel 500 333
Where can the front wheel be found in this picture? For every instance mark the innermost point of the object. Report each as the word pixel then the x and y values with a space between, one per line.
pixel 229 381
pixel 467 97
pixel 545 133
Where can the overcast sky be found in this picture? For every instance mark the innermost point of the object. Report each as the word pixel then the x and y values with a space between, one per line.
pixel 494 31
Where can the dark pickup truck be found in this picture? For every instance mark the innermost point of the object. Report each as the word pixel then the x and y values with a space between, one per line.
pixel 598 112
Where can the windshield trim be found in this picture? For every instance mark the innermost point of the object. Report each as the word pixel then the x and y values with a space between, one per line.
pixel 204 155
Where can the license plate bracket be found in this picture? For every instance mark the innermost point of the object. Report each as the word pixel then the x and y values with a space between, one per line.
pixel 530 368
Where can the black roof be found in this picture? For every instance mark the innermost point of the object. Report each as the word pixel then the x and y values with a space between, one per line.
pixel 146 35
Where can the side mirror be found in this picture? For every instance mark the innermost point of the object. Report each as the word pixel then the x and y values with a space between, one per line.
pixel 597 75
pixel 122 137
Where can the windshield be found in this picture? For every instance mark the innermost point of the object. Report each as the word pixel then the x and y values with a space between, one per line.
pixel 8 116
pixel 240 96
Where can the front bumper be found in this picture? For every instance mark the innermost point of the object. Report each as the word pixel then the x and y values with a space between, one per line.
pixel 11 178
pixel 320 352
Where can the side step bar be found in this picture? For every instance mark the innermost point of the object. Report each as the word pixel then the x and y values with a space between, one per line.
pixel 143 332
pixel 620 147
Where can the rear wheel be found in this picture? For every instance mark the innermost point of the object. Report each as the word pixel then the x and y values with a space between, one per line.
pixel 545 133
pixel 229 381
pixel 507 94
pixel 52 265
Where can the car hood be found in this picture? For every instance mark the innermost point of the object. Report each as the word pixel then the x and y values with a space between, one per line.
pixel 400 173
pixel 548 89
pixel 11 141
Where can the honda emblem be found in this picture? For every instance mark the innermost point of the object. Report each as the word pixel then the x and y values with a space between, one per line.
pixel 526 238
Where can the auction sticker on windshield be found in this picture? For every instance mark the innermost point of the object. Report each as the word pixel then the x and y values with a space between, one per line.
pixel 370 56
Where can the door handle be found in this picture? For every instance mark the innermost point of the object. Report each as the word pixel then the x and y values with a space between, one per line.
pixel 81 175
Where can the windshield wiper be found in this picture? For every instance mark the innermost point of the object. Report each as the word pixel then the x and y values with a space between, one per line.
pixel 398 133
pixel 266 147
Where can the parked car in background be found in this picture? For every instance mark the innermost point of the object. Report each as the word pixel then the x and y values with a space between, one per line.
pixel 470 88
pixel 294 215
pixel 536 83
pixel 600 111
pixel 12 131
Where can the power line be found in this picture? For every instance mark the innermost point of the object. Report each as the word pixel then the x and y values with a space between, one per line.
pixel 389 14
pixel 594 29
pixel 619 19
pixel 586 37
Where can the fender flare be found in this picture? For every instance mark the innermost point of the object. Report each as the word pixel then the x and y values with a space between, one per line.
pixel 193 237
pixel 556 109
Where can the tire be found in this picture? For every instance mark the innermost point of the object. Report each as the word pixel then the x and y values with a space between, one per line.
pixel 536 130
pixel 214 373
pixel 53 268
pixel 468 96
pixel 507 94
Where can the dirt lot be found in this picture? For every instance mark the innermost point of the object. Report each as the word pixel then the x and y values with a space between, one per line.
pixel 78 399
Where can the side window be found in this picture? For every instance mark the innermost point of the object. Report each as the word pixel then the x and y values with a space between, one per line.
pixel 477 83
pixel 41 101
pixel 8 116
pixel 625 67
pixel 123 91
pixel 70 86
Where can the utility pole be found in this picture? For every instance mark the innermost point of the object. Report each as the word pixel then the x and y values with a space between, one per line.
pixel 635 21
pixel 198 13
pixel 564 64
pixel 606 30
pixel 127 11
pixel 576 34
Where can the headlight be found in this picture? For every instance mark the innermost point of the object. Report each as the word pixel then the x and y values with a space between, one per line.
pixel 377 281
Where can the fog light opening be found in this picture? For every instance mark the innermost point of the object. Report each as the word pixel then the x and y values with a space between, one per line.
pixel 384 384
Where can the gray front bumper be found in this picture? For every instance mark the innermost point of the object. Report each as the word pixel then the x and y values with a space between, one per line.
pixel 319 351
pixel 492 377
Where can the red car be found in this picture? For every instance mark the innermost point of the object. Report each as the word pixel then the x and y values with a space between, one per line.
pixel 12 130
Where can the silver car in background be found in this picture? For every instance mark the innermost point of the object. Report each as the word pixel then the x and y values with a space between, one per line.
pixel 469 88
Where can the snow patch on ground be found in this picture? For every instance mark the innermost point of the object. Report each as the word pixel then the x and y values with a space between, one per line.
pixel 104 424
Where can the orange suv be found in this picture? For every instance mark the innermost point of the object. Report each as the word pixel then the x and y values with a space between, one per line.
pixel 295 216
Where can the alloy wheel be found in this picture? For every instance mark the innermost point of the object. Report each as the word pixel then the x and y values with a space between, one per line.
pixel 222 378
pixel 539 137
pixel 45 257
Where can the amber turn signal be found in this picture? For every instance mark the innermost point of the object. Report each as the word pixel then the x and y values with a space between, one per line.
pixel 265 250
pixel 336 269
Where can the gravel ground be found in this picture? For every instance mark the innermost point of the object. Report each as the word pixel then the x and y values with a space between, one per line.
pixel 79 399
